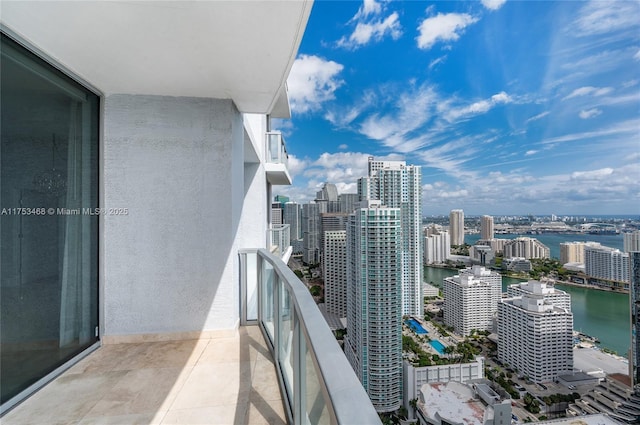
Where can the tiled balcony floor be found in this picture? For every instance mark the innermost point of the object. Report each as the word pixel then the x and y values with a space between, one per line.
pixel 230 380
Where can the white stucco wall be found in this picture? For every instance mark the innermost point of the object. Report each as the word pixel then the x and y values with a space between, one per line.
pixel 177 165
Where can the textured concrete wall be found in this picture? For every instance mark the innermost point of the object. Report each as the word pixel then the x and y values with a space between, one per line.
pixel 171 263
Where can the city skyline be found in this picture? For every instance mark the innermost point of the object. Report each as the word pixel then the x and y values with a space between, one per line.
pixel 502 121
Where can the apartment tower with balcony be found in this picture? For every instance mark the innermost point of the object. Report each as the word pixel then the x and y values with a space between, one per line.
pixel 373 344
pixel 456 227
pixel 398 185
pixel 486 227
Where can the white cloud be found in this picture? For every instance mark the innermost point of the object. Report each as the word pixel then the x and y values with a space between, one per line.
pixel 637 56
pixel 437 61
pixel 312 81
pixel 531 152
pixel 371 27
pixel 443 28
pixel 592 175
pixel 589 113
pixel 343 146
pixel 537 117
pixel 493 4
pixel 480 107
pixel 600 17
pixel 588 91
pixel 624 128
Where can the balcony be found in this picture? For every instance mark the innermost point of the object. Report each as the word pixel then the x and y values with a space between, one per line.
pixel 280 240
pixel 283 365
pixel 276 159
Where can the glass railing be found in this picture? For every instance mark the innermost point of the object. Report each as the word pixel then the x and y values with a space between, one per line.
pixel 280 238
pixel 276 150
pixel 317 381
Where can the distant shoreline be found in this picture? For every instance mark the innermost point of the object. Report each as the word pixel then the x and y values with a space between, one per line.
pixel 555 281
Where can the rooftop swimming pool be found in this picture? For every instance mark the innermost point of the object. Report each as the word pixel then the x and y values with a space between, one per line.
pixel 417 327
pixel 437 345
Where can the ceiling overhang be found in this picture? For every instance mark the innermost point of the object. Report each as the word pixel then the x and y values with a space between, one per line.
pixel 239 50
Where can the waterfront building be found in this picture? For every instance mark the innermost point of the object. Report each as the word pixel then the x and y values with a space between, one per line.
pixel 398 185
pixel 291 216
pixel 334 271
pixel 573 252
pixel 634 299
pixel 456 227
pixel 433 229
pixel 311 233
pixel 481 254
pixel 631 241
pixel 348 202
pixel 496 244
pixel 437 248
pixel 516 264
pixel 610 264
pixel 471 299
pixel 526 248
pixel 478 403
pixel 417 376
pixel 486 227
pixel 373 343
pixel 554 295
pixel 535 337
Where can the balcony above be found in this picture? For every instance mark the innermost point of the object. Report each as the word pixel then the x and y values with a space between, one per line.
pixel 276 161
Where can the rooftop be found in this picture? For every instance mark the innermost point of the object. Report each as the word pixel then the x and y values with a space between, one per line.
pixel 452 400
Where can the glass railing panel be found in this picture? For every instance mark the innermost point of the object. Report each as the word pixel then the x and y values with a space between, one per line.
pixel 267 298
pixel 315 406
pixel 251 264
pixel 285 340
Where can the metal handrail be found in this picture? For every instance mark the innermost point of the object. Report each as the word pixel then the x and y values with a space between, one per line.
pixel 346 400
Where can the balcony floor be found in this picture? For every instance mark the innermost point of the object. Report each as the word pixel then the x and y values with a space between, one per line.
pixel 230 380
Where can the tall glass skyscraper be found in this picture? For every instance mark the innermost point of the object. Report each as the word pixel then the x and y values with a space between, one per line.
pixel 398 185
pixel 634 298
pixel 373 344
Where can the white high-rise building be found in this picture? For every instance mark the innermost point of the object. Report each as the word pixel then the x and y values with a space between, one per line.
pixel 526 248
pixel 631 241
pixel 311 233
pixel 603 262
pixel 556 296
pixel 486 227
pixel 276 214
pixel 535 337
pixel 398 185
pixel 437 248
pixel 334 272
pixel 456 227
pixel 471 299
pixel 373 344
pixel 571 252
pixel 291 216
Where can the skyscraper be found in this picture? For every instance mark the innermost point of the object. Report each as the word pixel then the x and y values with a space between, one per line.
pixel 486 227
pixel 437 248
pixel 634 298
pixel 348 202
pixel 603 262
pixel 456 227
pixel 471 299
pixel 291 216
pixel 526 248
pixel 398 185
pixel 631 241
pixel 373 344
pixel 311 233
pixel 536 337
pixel 334 271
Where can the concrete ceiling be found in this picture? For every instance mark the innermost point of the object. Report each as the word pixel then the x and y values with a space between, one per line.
pixel 240 50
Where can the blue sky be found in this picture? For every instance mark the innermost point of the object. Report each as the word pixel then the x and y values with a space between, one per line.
pixel 512 107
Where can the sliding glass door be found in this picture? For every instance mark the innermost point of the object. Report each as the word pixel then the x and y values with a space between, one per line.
pixel 48 222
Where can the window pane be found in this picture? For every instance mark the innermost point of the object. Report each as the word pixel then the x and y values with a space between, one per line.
pixel 49 244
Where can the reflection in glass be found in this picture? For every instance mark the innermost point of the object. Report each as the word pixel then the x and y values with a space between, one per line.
pixel 49 244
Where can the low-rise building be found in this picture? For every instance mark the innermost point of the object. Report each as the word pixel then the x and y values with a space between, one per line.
pixel 455 403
